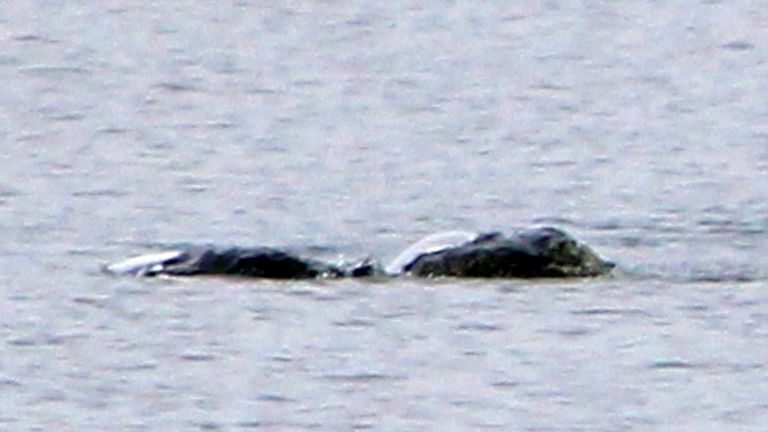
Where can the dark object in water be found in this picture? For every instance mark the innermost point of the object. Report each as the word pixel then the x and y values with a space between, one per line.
pixel 259 262
pixel 536 253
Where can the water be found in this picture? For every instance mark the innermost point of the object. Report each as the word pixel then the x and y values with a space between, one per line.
pixel 353 128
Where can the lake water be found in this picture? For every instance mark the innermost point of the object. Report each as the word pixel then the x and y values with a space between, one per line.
pixel 354 128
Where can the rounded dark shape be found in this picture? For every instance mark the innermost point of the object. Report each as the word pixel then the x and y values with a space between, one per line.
pixel 538 253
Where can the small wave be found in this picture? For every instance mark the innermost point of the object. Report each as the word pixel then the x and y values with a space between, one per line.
pixel 197 357
pixel 48 70
pixel 738 45
pixel 93 193
pixel 671 364
pixel 478 326
pixel 354 322
pixel 610 311
pixel 700 274
pixel 176 87
pixel 363 377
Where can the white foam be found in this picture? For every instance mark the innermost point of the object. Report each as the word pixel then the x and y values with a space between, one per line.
pixel 144 263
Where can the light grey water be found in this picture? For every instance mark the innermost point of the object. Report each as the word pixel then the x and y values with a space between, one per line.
pixel 358 127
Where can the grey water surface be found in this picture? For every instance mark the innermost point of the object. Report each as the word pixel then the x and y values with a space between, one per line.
pixel 354 128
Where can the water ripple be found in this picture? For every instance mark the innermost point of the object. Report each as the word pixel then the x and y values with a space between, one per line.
pixel 354 322
pixel 479 326
pixel 738 45
pixel 176 87
pixel 197 357
pixel 94 193
pixel 610 311
pixel 672 364
pixel 52 70
pixel 362 377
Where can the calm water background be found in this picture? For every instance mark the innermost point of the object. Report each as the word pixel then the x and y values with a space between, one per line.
pixel 354 128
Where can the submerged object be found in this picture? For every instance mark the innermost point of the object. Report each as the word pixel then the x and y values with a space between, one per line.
pixel 535 253
pixel 258 262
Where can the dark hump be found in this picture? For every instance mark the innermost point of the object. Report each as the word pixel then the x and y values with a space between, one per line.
pixel 253 262
pixel 539 253
pixel 493 257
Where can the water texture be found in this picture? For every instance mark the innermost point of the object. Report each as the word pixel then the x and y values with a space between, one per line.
pixel 355 128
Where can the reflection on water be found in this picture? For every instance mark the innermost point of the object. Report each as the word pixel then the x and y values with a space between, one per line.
pixel 353 129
